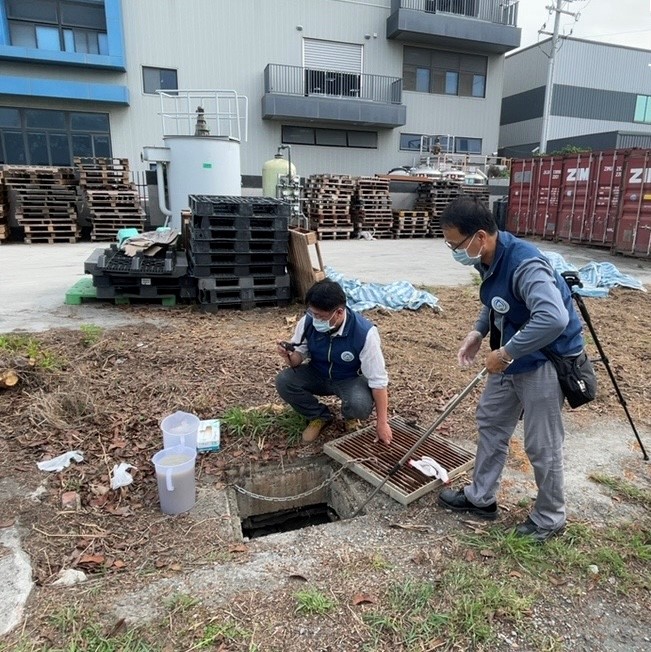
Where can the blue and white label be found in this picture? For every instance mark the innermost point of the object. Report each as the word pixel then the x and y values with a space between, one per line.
pixel 499 305
pixel 347 356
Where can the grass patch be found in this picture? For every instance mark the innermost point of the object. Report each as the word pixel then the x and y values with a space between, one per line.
pixel 312 602
pixel 620 552
pixel 221 633
pixel 30 347
pixel 626 490
pixel 257 423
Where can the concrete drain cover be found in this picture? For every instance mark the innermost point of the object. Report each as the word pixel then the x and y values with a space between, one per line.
pixel 407 484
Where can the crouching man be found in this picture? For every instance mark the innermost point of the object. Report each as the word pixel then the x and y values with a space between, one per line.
pixel 344 358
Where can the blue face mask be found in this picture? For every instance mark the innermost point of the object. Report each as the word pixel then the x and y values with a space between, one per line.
pixel 321 325
pixel 461 256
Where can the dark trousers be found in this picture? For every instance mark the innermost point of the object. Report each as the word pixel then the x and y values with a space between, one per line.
pixel 300 386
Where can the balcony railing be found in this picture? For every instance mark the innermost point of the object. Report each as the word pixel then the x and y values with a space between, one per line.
pixel 295 80
pixel 504 12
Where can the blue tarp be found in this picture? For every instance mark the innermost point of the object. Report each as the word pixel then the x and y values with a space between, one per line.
pixel 394 296
pixel 597 278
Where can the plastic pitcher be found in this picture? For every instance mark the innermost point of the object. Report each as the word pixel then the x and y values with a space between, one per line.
pixel 180 429
pixel 175 477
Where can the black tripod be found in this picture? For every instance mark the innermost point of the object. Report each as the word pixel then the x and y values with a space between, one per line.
pixel 572 279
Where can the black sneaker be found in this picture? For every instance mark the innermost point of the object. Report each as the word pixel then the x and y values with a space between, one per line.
pixel 455 499
pixel 535 532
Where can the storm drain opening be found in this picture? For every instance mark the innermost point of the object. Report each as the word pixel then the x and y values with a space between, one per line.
pixel 283 499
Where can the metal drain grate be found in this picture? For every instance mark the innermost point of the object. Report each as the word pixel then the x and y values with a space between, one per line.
pixel 407 484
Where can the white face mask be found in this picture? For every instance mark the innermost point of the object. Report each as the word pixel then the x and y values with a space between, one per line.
pixel 321 325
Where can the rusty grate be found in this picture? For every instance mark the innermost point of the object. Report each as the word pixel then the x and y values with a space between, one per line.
pixel 407 484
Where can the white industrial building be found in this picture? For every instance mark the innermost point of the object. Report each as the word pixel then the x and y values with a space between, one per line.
pixel 600 97
pixel 350 84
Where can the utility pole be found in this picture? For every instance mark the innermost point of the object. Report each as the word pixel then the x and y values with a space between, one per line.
pixel 547 105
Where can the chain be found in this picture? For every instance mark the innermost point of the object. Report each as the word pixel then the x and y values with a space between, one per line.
pixel 325 483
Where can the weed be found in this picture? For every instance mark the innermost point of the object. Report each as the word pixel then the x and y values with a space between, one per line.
pixel 64 619
pixel 625 489
pixel 31 348
pixel 291 424
pixel 246 423
pixel 222 632
pixel 180 602
pixel 379 562
pixel 90 334
pixel 313 602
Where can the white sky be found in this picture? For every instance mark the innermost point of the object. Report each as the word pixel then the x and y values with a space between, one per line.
pixel 625 22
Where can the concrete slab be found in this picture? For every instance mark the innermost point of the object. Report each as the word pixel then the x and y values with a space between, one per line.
pixel 16 571
pixel 35 278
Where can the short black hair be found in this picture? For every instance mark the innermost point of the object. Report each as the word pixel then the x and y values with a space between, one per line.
pixel 468 215
pixel 326 295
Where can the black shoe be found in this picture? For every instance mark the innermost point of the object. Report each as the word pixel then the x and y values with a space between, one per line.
pixel 535 532
pixel 455 499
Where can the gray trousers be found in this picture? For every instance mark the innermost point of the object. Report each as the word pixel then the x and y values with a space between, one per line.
pixel 300 386
pixel 503 400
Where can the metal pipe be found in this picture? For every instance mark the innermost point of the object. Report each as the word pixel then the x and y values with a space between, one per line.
pixel 160 180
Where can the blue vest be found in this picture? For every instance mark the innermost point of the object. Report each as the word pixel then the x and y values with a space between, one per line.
pixel 337 357
pixel 496 293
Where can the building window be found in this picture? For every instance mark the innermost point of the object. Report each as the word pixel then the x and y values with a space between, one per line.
pixel 444 73
pixel 158 79
pixel 467 145
pixel 329 137
pixel 46 137
pixel 643 109
pixel 428 142
pixel 60 25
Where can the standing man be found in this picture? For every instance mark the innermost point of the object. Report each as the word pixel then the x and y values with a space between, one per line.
pixel 526 307
pixel 345 359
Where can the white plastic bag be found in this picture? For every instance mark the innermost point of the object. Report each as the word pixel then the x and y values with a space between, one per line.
pixel 121 477
pixel 431 468
pixel 61 462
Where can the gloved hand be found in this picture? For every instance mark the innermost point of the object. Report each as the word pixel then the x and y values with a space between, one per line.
pixel 469 348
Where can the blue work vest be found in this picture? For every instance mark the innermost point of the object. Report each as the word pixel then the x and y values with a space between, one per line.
pixel 337 356
pixel 511 312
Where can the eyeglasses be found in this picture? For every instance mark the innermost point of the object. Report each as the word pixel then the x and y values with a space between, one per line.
pixel 312 314
pixel 455 247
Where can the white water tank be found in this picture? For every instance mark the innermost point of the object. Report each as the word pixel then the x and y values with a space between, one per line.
pixel 271 170
pixel 201 165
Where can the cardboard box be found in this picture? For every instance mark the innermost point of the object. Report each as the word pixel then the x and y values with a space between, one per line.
pixel 208 435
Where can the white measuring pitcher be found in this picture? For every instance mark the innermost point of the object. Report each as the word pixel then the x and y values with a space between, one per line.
pixel 175 477
pixel 180 429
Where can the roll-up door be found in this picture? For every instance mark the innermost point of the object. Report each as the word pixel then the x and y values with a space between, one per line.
pixel 332 68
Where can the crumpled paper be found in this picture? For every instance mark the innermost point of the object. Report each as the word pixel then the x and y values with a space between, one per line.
pixel 431 468
pixel 121 477
pixel 61 462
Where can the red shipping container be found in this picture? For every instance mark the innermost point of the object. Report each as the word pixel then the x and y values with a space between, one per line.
pixel 547 194
pixel 633 231
pixel 606 175
pixel 575 196
pixel 521 193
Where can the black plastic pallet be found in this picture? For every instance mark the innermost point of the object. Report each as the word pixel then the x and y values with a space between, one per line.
pixel 250 235
pixel 245 299
pixel 141 291
pixel 277 282
pixel 225 205
pixel 237 271
pixel 241 222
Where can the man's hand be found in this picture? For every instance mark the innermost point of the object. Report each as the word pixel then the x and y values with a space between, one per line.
pixel 469 348
pixel 384 434
pixel 497 361
pixel 283 352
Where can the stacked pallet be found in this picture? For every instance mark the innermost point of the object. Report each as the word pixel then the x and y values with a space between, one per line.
pixel 480 193
pixel 163 277
pixel 433 196
pixel 4 208
pixel 327 205
pixel 44 202
pixel 410 224
pixel 238 251
pixel 372 207
pixel 111 198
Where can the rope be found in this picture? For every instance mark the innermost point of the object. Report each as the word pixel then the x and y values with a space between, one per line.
pixel 325 483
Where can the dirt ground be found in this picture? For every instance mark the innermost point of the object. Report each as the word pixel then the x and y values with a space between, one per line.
pixel 104 393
